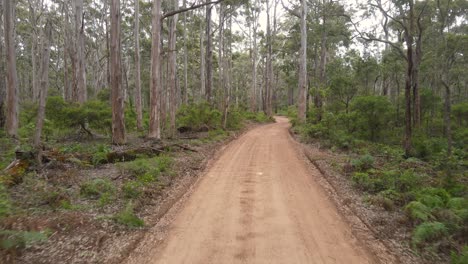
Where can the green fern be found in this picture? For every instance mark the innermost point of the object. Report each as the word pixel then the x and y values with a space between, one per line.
pixel 427 232
pixel 418 211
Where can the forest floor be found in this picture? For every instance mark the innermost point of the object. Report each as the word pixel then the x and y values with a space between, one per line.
pixel 262 201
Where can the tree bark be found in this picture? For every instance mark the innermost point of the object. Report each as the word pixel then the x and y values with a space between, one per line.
pixel 202 63
pixel 185 90
pixel 44 83
pixel 80 73
pixel 154 125
pixel 67 95
pixel 409 77
pixel 447 118
pixel 2 71
pixel 171 80
pixel 253 93
pixel 11 76
pixel 118 122
pixel 209 55
pixel 268 81
pixel 138 105
pixel 302 89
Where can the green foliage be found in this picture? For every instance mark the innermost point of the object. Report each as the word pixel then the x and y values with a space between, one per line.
pixel 100 155
pixel 14 239
pixel 128 217
pixel 461 258
pixel 132 189
pixel 428 232
pixel 417 211
pixel 426 147
pixel 373 115
pixel 147 170
pixel 460 112
pixel 95 114
pixel 433 197
pixel 363 163
pixel 198 117
pixel 97 189
pixel 234 119
pixel 217 135
pixel 362 180
pixel 5 203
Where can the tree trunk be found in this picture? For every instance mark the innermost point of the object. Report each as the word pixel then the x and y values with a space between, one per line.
pixel 44 75
pixel 447 119
pixel 202 63
pixel 268 81
pixel 2 71
pixel 253 94
pixel 209 55
pixel 227 72
pixel 138 106
pixel 66 83
pixel 221 83
pixel 154 125
pixel 171 80
pixel 302 89
pixel 11 76
pixel 80 53
pixel 118 122
pixel 409 77
pixel 185 90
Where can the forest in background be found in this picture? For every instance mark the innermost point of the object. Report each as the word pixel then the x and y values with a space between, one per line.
pixel 392 93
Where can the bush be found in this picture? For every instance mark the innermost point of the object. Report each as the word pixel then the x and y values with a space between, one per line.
pixel 97 188
pixel 362 180
pixel 461 258
pixel 234 120
pixel 363 163
pixel 14 239
pixel 100 155
pixel 197 117
pixel 147 170
pixel 428 232
pixel 417 211
pixel 5 204
pixel 131 189
pixel 128 217
pixel 373 115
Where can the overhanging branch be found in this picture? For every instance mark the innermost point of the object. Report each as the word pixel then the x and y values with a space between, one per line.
pixel 192 7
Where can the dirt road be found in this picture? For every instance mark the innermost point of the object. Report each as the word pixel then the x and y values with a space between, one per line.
pixel 259 203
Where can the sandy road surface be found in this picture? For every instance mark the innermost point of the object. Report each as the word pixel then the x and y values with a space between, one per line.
pixel 259 203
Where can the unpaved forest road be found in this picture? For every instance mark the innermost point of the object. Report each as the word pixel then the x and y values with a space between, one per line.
pixel 259 203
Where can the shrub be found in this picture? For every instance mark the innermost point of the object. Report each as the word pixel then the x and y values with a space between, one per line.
pixel 261 117
pixel 461 258
pixel 362 180
pixel 373 114
pixel 363 163
pixel 417 211
pixel 97 188
pixel 217 135
pixel 100 155
pixel 131 189
pixel 147 170
pixel 14 239
pixel 428 232
pixel 234 120
pixel 5 204
pixel 433 197
pixel 408 180
pixel 128 217
pixel 197 117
